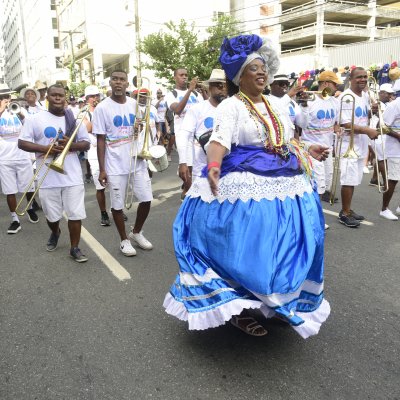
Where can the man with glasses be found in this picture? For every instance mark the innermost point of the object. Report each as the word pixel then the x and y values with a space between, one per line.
pixel 197 127
pixel 323 117
pixel 351 169
pixel 16 171
pixel 281 98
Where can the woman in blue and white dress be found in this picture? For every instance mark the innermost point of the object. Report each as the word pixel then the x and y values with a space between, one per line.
pixel 250 233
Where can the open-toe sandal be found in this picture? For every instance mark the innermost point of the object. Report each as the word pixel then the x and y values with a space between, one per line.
pixel 252 327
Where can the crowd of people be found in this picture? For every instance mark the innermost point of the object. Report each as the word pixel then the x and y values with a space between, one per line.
pixel 258 152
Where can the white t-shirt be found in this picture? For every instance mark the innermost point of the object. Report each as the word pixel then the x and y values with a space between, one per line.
pixel 161 109
pixel 391 117
pixel 198 120
pixel 296 114
pixel 361 109
pixel 192 100
pixel 115 121
pixel 42 128
pixel 322 116
pixel 10 129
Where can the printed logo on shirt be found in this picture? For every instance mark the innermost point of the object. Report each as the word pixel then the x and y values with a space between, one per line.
pixel 209 122
pixel 359 112
pixel 191 100
pixel 326 114
pixel 51 132
pixel 120 120
pixel 10 124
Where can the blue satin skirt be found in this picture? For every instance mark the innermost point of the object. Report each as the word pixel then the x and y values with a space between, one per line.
pixel 269 252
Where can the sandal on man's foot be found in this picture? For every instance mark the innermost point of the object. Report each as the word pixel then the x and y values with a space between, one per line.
pixel 252 327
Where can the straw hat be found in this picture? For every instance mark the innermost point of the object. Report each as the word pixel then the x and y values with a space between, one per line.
pixel 39 85
pixel 23 91
pixel 4 89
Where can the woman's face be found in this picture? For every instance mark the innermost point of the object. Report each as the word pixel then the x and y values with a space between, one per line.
pixel 254 78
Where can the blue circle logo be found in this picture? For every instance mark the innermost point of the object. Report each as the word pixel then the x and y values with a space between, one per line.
pixel 117 121
pixel 50 132
pixel 358 112
pixel 321 114
pixel 209 122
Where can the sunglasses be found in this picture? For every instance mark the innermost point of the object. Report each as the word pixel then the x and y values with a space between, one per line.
pixel 218 85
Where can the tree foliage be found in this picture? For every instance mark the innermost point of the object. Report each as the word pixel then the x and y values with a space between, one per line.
pixel 180 47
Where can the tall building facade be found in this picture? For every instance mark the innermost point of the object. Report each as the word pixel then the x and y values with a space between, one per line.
pixel 306 29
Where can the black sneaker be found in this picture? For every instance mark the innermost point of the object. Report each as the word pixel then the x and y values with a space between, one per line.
pixel 14 228
pixel 77 255
pixel 373 182
pixel 125 217
pixel 327 196
pixel 105 220
pixel 53 241
pixel 32 216
pixel 36 206
pixel 356 216
pixel 348 220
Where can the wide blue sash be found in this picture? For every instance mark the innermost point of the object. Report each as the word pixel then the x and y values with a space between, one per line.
pixel 258 161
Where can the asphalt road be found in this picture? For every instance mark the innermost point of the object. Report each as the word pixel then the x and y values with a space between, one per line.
pixel 70 331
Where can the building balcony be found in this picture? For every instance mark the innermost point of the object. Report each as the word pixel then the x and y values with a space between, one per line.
pixel 340 11
pixel 333 33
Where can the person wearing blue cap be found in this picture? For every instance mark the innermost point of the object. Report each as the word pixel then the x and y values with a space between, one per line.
pixel 250 232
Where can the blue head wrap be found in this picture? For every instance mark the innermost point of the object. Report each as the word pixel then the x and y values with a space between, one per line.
pixel 236 53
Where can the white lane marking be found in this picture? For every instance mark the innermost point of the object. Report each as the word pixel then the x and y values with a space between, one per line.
pixel 105 257
pixel 161 198
pixel 329 212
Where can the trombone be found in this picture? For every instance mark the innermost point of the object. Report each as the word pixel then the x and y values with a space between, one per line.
pixel 310 94
pixel 144 154
pixel 373 93
pixel 350 152
pixel 56 165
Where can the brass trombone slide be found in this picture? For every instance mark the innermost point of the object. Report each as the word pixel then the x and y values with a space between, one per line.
pixel 373 93
pixel 350 152
pixel 56 165
pixel 134 151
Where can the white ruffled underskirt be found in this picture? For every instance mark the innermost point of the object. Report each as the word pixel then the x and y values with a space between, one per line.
pixel 223 313
pixel 245 186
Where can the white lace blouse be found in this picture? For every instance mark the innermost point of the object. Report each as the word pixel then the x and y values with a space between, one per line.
pixel 234 125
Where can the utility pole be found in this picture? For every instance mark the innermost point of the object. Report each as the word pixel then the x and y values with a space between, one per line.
pixel 137 39
pixel 72 66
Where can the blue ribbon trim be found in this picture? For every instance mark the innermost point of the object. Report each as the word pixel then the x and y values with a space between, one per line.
pixel 258 161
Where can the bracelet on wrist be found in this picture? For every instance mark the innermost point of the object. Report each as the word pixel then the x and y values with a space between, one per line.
pixel 213 164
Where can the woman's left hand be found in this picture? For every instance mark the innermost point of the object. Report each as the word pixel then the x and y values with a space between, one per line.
pixel 319 152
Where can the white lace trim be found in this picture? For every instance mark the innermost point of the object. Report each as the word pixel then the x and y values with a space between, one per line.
pixel 245 186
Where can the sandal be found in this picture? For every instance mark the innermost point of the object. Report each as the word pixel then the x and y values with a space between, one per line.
pixel 250 328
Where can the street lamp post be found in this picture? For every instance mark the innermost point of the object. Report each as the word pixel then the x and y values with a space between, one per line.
pixel 72 63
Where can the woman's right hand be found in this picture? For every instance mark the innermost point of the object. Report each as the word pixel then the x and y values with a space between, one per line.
pixel 213 179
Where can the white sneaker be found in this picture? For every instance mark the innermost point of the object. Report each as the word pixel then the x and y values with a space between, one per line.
pixel 388 215
pixel 398 210
pixel 140 240
pixel 169 158
pixel 366 170
pixel 326 226
pixel 127 248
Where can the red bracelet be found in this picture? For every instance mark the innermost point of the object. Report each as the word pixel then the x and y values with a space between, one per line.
pixel 213 164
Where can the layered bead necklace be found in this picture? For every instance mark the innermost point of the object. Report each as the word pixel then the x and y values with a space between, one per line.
pixel 273 131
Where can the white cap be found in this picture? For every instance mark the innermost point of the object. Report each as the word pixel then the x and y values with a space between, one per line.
pixel 91 90
pixel 386 87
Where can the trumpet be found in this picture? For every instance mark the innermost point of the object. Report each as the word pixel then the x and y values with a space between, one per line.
pixel 350 152
pixel 14 107
pixel 373 92
pixel 309 95
pixel 144 153
pixel 56 165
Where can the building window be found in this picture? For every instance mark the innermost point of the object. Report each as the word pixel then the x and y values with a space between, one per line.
pixel 58 62
pixel 54 23
pixel 52 4
pixel 56 42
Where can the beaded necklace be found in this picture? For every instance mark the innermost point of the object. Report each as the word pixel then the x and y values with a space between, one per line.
pixel 273 131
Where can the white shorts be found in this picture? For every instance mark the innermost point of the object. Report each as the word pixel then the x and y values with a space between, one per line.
pixel 393 166
pixel 15 176
pixel 141 188
pixel 95 169
pixel 351 171
pixel 70 199
pixel 323 171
